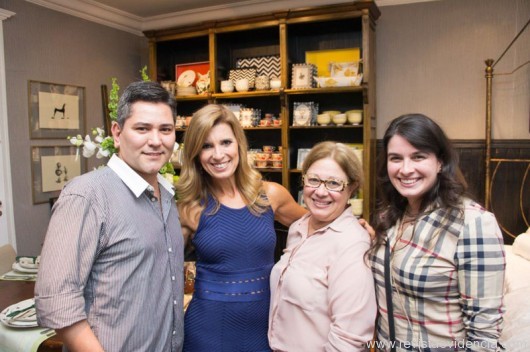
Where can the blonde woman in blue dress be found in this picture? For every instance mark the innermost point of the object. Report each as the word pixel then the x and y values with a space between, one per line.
pixel 228 212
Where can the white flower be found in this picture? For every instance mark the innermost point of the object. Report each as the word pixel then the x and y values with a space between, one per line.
pixel 89 148
pixel 103 145
pixel 102 153
pixel 100 134
pixel 77 140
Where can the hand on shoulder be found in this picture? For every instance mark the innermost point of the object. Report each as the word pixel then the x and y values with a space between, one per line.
pixel 368 228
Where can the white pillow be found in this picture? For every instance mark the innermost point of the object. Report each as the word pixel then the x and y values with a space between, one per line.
pixel 521 245
pixel 516 333
pixel 517 271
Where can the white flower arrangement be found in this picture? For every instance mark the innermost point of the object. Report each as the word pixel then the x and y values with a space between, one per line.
pixel 102 146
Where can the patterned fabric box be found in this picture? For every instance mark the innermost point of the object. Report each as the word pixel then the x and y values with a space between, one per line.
pixel 247 72
pixel 265 65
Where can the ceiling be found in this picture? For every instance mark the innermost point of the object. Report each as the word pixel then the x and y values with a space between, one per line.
pixel 136 16
pixel 143 8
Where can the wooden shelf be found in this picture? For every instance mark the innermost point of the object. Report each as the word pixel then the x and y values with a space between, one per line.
pixel 324 127
pixel 249 94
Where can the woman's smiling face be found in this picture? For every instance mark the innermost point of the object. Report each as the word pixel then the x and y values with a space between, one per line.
pixel 325 205
pixel 220 152
pixel 412 172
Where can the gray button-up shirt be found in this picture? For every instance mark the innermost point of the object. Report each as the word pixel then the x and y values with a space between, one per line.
pixel 114 256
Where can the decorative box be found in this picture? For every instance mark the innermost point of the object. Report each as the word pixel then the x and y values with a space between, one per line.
pixel 265 65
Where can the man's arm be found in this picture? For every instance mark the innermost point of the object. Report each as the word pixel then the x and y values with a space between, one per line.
pixel 79 337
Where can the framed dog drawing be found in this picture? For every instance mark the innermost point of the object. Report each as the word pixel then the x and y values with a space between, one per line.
pixel 56 110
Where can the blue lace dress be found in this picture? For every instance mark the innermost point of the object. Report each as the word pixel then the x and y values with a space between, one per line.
pixel 230 306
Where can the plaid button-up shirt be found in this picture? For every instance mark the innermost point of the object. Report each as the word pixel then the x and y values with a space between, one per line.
pixel 447 275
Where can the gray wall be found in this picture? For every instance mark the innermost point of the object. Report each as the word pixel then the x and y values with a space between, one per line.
pixel 430 59
pixel 49 46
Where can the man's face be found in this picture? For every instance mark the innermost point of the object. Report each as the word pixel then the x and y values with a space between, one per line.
pixel 147 138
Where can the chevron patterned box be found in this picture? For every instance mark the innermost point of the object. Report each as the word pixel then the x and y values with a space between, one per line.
pixel 265 65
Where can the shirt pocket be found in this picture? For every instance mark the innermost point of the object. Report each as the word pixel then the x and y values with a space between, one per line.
pixel 304 286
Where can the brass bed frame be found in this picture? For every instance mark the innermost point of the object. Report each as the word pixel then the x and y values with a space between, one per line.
pixel 490 176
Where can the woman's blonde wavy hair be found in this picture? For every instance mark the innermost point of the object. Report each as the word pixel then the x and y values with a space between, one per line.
pixel 195 185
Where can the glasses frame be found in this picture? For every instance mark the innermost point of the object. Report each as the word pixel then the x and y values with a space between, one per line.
pixel 325 182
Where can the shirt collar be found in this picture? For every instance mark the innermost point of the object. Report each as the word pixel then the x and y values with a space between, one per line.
pixel 341 224
pixel 134 181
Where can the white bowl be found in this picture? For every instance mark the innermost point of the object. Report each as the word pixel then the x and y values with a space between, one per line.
pixel 242 85
pixel 323 119
pixel 275 83
pixel 339 119
pixel 354 116
pixel 227 86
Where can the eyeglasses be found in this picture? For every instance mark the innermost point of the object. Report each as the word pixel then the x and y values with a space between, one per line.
pixel 331 184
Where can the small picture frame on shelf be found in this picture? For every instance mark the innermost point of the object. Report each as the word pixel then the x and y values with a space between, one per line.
pixel 302 76
pixel 246 117
pixel 302 113
pixel 302 153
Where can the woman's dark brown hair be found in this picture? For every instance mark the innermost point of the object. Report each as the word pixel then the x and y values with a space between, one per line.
pixel 425 135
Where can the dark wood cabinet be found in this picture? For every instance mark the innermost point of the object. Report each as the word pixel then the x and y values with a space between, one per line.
pixel 289 35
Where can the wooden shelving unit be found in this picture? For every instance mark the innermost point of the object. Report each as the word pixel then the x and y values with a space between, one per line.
pixel 288 34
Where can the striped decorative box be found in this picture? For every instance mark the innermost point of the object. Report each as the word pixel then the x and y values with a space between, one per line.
pixel 265 65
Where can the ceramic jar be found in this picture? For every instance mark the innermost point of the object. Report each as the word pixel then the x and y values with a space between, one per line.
pixel 227 86
pixel 357 206
pixel 268 149
pixel 276 156
pixel 242 85
pixel 262 83
pixel 275 83
pixel 170 86
pixel 180 122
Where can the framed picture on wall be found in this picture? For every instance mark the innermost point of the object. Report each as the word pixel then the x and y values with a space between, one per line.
pixel 56 110
pixel 51 168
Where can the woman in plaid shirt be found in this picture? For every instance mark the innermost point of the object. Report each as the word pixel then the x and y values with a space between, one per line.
pixel 444 252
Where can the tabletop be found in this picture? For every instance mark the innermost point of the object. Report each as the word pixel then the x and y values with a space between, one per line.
pixel 12 292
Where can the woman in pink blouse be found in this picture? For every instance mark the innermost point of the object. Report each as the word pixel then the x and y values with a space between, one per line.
pixel 322 289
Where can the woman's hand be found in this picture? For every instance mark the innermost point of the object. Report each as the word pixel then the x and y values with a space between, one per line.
pixel 368 228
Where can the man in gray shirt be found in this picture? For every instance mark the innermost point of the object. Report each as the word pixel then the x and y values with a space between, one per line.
pixel 110 277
